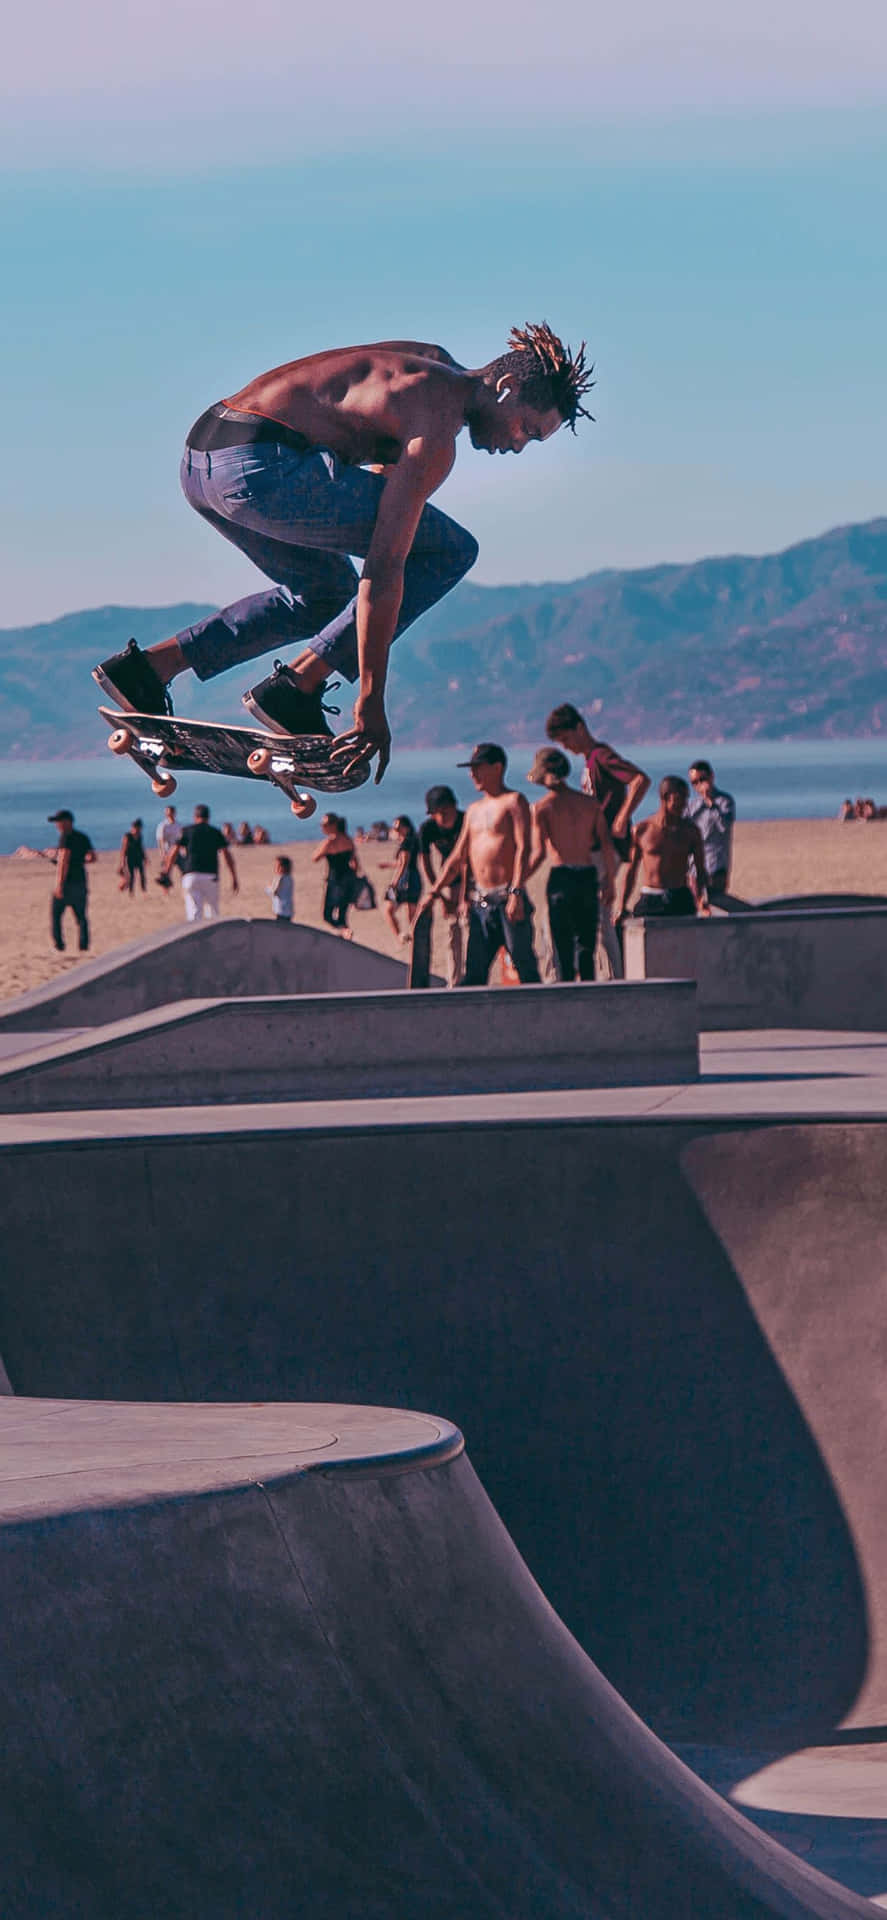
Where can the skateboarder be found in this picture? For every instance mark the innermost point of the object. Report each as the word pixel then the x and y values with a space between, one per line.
pixel 495 845
pixel 333 455
pixel 668 848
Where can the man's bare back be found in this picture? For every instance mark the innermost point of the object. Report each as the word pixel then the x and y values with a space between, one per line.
pixel 571 829
pixel 364 403
pixel 394 405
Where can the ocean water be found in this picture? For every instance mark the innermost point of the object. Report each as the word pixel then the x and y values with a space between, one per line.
pixel 770 780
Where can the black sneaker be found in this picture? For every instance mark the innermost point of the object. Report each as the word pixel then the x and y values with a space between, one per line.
pixel 131 682
pixel 282 704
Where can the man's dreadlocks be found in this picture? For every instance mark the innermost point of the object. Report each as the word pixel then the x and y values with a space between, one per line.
pixel 546 373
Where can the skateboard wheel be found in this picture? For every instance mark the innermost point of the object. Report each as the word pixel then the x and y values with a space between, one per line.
pixel 304 806
pixel 120 740
pixel 259 760
pixel 163 787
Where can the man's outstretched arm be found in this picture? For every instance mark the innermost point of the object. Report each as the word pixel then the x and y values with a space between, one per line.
pixel 421 469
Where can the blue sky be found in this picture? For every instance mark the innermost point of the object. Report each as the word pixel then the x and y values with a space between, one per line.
pixel 180 209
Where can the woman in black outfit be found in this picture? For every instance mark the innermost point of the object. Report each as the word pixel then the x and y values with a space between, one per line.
pixel 132 858
pixel 337 849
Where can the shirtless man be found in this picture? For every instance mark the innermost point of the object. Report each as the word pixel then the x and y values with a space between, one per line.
pixel 570 828
pixel 617 784
pixel 494 846
pixel 666 846
pixel 333 455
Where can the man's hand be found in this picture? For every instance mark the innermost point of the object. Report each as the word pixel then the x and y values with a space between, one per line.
pixel 514 907
pixel 370 734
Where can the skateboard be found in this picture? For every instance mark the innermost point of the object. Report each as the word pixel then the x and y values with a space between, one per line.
pixel 419 974
pixel 163 746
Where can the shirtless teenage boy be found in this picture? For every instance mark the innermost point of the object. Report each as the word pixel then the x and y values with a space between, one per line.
pixel 281 470
pixel 616 783
pixel 570 829
pixel 495 846
pixel 666 846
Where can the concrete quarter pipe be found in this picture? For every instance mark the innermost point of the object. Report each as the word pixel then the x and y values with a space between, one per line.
pixel 665 1340
pixel 275 1661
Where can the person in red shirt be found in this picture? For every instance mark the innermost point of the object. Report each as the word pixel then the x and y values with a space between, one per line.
pixel 616 784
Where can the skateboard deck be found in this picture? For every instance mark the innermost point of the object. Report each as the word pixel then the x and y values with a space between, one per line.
pixel 420 951
pixel 164 746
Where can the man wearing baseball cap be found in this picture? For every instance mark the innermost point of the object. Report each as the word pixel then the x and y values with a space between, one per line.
pixel 494 846
pixel 75 854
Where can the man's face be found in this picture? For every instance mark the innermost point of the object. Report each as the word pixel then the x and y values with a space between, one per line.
pixel 486 778
pixel 673 805
pixel 444 817
pixel 511 423
pixel 702 783
pixel 569 740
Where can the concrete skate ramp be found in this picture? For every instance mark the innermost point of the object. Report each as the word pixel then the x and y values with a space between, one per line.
pixel 221 959
pixel 279 1660
pixel 342 1045
pixel 686 1318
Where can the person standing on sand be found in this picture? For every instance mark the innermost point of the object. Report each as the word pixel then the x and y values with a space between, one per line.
pixel 200 844
pixel 132 859
pixel 337 849
pixel 667 847
pixel 280 469
pixel 715 815
pixel 406 887
pixel 618 786
pixel 281 891
pixel 571 830
pixel 75 854
pixel 494 846
pixel 438 835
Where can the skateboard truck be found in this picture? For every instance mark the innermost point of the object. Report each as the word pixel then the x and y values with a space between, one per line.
pixel 163 784
pixel 261 762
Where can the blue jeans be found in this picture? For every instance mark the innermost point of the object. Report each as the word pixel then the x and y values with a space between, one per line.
pixel 489 928
pixel 298 517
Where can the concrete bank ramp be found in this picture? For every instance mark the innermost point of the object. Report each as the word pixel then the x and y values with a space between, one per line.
pixel 282 1660
pixel 218 959
pixel 341 1045
pixel 800 968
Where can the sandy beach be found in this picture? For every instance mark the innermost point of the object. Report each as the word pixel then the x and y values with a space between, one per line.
pixel 770 858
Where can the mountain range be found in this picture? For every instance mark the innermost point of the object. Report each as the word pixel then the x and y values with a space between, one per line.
pixel 779 646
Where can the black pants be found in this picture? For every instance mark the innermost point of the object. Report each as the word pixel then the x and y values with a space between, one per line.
pixel 572 917
pixel 134 867
pixel 337 900
pixel 675 903
pixel 74 896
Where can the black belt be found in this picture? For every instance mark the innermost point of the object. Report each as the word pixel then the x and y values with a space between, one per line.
pixel 222 426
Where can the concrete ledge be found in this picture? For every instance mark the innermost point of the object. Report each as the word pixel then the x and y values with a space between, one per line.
pixel 220 958
pixel 773 969
pixel 339 1046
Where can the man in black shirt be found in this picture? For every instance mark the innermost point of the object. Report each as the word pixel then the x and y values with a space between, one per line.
pixel 201 844
pixel 75 853
pixel 438 834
